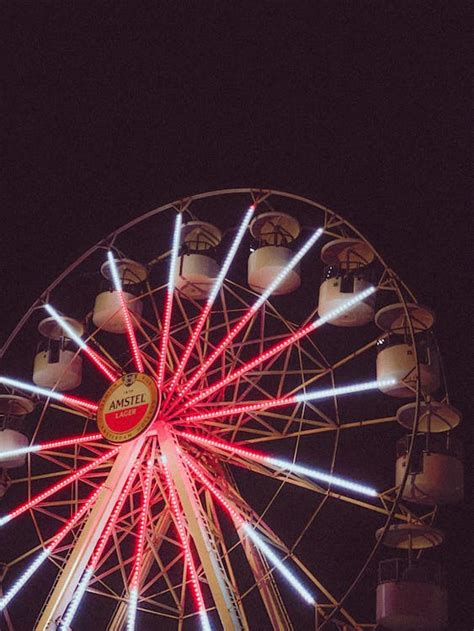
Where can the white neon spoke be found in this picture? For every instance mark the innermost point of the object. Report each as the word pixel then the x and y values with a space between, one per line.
pixel 266 404
pixel 51 445
pixel 99 549
pixel 24 578
pixel 251 312
pixel 137 358
pixel 137 565
pixel 279 347
pixel 210 301
pixel 109 372
pixel 165 331
pixel 251 532
pixel 73 401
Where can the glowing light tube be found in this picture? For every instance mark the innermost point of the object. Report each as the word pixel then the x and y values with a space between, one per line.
pixel 81 588
pixel 280 346
pixel 57 487
pixel 140 544
pixel 73 401
pixel 253 406
pixel 179 522
pixel 165 333
pixel 111 374
pixel 132 340
pixel 224 343
pixel 53 444
pixel 23 579
pixel 212 296
pixel 253 535
pixel 287 465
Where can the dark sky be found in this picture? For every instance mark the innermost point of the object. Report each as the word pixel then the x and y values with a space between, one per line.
pixel 114 108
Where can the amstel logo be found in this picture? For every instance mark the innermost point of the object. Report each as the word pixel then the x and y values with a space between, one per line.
pixel 128 407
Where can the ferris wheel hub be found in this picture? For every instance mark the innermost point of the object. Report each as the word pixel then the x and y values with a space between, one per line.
pixel 128 407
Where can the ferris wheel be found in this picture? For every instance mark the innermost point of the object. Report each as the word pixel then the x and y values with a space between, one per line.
pixel 208 438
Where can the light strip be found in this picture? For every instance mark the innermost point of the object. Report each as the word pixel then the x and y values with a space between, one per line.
pixel 250 531
pixel 111 374
pixel 54 444
pixel 280 463
pixel 23 579
pixel 132 340
pixel 57 487
pixel 224 343
pixel 165 333
pixel 280 346
pixel 210 301
pixel 140 544
pixel 84 582
pixel 179 522
pixel 75 402
pixel 253 406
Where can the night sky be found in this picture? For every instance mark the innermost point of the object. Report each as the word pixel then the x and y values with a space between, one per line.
pixel 114 108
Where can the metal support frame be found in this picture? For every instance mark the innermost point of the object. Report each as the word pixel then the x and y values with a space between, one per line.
pixel 219 584
pixel 71 573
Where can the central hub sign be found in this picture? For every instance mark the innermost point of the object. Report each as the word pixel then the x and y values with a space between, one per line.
pixel 128 407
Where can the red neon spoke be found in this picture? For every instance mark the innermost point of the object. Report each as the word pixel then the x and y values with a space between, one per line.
pixel 241 408
pixel 237 328
pixel 253 406
pixel 53 444
pixel 58 486
pixel 179 522
pixel 95 358
pixel 77 402
pixel 132 340
pixel 165 333
pixel 253 363
pixel 208 306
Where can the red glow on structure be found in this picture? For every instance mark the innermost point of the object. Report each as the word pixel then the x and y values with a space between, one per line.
pixel 165 334
pixel 142 527
pixel 242 408
pixel 58 486
pixel 223 344
pixel 77 402
pixel 74 519
pixel 220 444
pixel 253 363
pixel 66 442
pixel 111 374
pixel 179 522
pixel 132 340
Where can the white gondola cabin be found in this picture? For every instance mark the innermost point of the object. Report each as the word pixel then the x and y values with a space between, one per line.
pixel 197 267
pixel 396 355
pixel 108 314
pixel 13 410
pixel 346 274
pixel 274 234
pixel 57 363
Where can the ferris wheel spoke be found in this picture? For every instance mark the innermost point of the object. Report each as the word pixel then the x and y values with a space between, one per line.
pixel 94 357
pixel 250 531
pixel 166 322
pixel 72 401
pixel 180 526
pixel 48 550
pixel 98 551
pixel 196 332
pixel 279 347
pixel 132 340
pixel 51 445
pixel 226 341
pixel 140 544
pixel 79 473
pixel 220 411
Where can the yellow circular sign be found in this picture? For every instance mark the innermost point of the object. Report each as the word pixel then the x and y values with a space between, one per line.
pixel 128 407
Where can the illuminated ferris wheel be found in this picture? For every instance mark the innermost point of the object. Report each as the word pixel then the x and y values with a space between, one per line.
pixel 206 443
